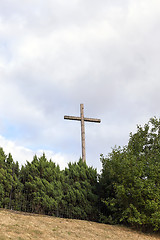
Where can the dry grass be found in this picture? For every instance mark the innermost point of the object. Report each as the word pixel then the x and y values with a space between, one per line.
pixel 20 226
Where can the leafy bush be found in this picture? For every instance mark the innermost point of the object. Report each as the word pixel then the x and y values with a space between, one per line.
pixel 130 180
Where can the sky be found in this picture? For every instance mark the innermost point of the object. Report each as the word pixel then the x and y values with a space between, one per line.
pixel 57 54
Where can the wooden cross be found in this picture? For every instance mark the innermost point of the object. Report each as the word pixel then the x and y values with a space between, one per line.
pixel 82 119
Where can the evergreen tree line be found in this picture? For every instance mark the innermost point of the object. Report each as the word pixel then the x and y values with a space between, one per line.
pixel 41 187
pixel 126 191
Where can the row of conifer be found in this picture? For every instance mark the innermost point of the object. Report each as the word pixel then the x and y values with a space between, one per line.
pixel 126 191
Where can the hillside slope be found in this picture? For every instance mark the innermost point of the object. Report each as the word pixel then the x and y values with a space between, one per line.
pixel 17 225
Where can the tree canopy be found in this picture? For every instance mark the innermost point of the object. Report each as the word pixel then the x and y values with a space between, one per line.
pixel 130 179
pixel 41 187
pixel 127 190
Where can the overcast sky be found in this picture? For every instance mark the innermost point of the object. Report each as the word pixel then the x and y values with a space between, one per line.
pixel 56 54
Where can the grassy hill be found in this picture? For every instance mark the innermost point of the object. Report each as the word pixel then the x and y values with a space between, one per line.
pixel 21 226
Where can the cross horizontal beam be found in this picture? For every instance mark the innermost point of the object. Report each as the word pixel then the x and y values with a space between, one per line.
pixel 82 119
pixel 96 120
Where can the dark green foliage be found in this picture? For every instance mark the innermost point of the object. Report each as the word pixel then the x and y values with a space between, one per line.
pixel 130 180
pixel 9 184
pixel 68 193
pixel 41 187
pixel 80 191
pixel 127 191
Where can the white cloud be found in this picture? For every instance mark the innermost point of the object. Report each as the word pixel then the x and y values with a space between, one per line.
pixel 55 55
pixel 22 154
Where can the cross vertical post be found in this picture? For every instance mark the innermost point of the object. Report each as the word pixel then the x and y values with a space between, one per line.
pixel 83 133
pixel 82 119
